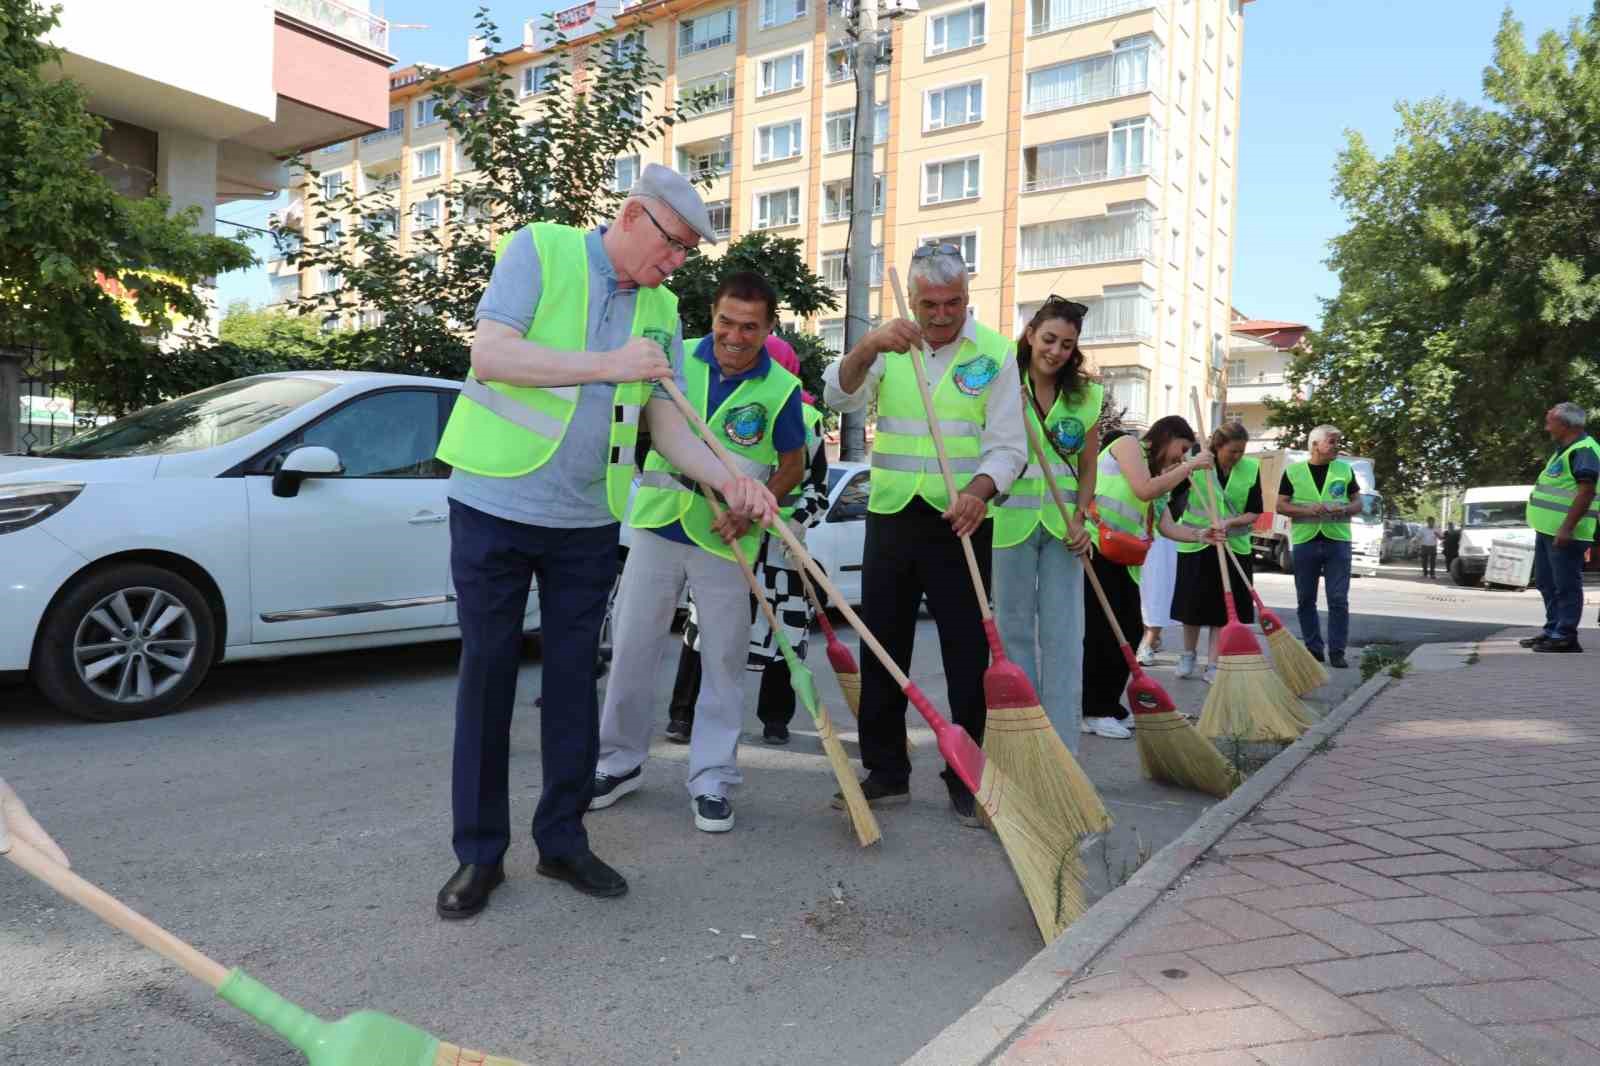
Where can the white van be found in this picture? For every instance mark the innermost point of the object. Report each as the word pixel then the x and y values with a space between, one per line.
pixel 1495 512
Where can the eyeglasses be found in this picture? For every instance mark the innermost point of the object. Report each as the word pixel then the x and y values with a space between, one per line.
pixel 927 250
pixel 672 242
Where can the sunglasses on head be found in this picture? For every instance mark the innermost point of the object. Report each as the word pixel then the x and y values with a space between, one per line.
pixel 929 250
pixel 1061 305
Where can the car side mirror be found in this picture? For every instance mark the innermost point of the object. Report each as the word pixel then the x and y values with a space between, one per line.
pixel 308 460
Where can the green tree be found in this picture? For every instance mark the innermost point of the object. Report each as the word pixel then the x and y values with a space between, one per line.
pixel 1469 277
pixel 780 260
pixel 272 331
pixel 67 237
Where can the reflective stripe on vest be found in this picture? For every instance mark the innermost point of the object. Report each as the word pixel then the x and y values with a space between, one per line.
pixel 500 430
pixel 1337 485
pixel 904 463
pixel 1556 489
pixel 744 423
pixel 1028 503
pixel 1120 508
pixel 1234 497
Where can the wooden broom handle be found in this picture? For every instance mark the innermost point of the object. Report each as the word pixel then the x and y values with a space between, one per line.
pixel 744 564
pixel 1249 584
pixel 921 374
pixel 790 541
pixel 1061 505
pixel 116 913
pixel 1213 486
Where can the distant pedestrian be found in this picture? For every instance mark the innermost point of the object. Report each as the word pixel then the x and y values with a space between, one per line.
pixel 1562 512
pixel 1428 549
pixel 1450 545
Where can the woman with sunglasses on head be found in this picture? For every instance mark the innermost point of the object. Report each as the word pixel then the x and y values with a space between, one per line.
pixel 1133 480
pixel 1038 566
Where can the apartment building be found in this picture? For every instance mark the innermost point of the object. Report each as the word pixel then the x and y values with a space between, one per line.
pixel 1080 147
pixel 1259 354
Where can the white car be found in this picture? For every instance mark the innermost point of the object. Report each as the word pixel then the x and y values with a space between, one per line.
pixel 283 514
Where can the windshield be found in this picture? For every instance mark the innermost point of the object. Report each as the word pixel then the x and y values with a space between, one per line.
pixel 1497 514
pixel 1371 508
pixel 199 420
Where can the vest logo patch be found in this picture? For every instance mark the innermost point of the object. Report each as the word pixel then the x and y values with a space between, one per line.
pixel 746 425
pixel 660 336
pixel 973 376
pixel 1337 490
pixel 1554 469
pixel 1068 434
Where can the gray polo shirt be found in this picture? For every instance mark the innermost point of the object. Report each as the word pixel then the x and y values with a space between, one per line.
pixel 569 491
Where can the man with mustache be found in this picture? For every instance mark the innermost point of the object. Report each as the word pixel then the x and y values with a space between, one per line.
pixel 913 528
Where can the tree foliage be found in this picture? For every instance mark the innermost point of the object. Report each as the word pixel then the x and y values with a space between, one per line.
pixel 273 331
pixel 1469 277
pixel 781 260
pixel 68 241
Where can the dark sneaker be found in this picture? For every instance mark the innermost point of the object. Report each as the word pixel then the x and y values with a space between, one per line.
pixel 1316 653
pixel 878 794
pixel 961 800
pixel 775 734
pixel 712 814
pixel 1529 642
pixel 1566 645
pixel 608 789
pixel 678 731
pixel 1338 661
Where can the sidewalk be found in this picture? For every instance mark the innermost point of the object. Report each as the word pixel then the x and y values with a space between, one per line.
pixel 1424 889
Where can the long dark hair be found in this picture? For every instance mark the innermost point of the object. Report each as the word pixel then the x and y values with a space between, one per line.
pixel 1162 432
pixel 1071 377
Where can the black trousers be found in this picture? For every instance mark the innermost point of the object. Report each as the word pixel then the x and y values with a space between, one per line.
pixel 774 706
pixel 909 555
pixel 1429 566
pixel 1105 672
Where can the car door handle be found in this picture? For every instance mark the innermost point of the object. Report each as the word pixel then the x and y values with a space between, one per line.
pixel 426 518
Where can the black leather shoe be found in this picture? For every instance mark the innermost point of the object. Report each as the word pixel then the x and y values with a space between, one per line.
pixel 586 873
pixel 1316 653
pixel 775 734
pixel 1566 645
pixel 961 800
pixel 1529 642
pixel 878 793
pixel 679 731
pixel 467 891
pixel 1338 661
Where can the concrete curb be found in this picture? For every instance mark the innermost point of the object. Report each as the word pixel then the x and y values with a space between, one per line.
pixel 980 1035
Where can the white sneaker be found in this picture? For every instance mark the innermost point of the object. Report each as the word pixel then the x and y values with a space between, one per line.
pixel 1146 656
pixel 1210 675
pixel 1185 665
pixel 1085 725
pixel 1108 727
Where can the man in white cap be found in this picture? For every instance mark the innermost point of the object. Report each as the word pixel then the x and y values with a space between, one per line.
pixel 571 331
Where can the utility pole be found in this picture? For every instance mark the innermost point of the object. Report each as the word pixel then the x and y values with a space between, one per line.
pixel 858 259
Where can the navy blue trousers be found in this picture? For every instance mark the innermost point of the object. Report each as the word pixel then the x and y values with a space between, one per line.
pixel 493 562
pixel 1558 573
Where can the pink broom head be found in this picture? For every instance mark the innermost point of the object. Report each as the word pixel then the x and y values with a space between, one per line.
pixel 957 747
pixel 1005 685
pixel 1147 697
pixel 1236 638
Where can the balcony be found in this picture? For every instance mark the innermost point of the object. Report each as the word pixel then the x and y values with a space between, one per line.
pixel 1258 388
pixel 353 24
pixel 1067 179
pixel 1041 102
pixel 1048 16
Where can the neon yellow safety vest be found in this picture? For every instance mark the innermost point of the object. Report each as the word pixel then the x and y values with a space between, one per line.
pixel 1028 502
pixel 1337 486
pixel 501 430
pixel 1555 490
pixel 743 423
pixel 1235 494
pixel 813 420
pixel 1119 507
pixel 904 462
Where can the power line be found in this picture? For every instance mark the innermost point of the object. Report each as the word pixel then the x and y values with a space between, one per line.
pixel 241 225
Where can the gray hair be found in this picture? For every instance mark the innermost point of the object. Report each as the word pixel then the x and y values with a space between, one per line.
pixel 937 270
pixel 1570 414
pixel 1323 432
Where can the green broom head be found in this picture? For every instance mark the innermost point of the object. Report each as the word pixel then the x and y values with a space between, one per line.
pixel 800 678
pixel 365 1038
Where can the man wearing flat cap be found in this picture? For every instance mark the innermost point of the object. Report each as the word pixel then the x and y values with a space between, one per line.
pixel 571 332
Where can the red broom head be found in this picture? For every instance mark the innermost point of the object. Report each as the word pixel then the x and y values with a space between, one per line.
pixel 1005 685
pixel 827 626
pixel 1147 697
pixel 1270 623
pixel 1236 638
pixel 839 657
pixel 958 748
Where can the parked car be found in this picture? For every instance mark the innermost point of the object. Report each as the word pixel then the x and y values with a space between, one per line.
pixel 276 515
pixel 1397 540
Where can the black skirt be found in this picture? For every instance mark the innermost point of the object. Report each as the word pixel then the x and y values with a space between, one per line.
pixel 1197 592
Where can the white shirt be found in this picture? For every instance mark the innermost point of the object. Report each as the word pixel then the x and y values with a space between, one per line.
pixel 1004 448
pixel 1430 539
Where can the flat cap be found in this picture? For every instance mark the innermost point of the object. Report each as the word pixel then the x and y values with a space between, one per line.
pixel 673 189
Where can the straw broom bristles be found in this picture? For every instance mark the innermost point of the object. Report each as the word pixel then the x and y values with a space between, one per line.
pixel 450 1055
pixel 1296 665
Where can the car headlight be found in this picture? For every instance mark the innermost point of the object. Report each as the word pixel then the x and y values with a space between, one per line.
pixel 27 504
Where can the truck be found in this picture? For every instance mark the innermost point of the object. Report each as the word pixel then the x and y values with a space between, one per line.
pixel 1271 539
pixel 1490 513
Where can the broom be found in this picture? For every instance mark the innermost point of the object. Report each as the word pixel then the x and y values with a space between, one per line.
pixel 839 657
pixel 1298 667
pixel 805 687
pixel 1169 748
pixel 365 1038
pixel 1043 853
pixel 1018 735
pixel 1247 702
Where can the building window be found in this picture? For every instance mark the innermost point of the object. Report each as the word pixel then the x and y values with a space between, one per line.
pixel 777 209
pixel 721 214
pixel 1237 374
pixel 1129 387
pixel 782 73
pixel 838 201
pixel 830 331
pixel 623 48
pixel 625 172
pixel 706 159
pixel 841 59
pixel 332 281
pixel 1122 234
pixel 333 230
pixel 1046 16
pixel 537 79
pixel 1132 67
pixel 332 186
pixel 949 181
pixel 781 12
pixel 427 112
pixel 1064 163
pixel 956 30
pixel 371 318
pixel 426 163
pixel 397 123
pixel 330 323
pixel 967 242
pixel 425 214
pixel 704 96
pixel 285 288
pixel 464 160
pixel 1133 147
pixel 954 105
pixel 831 267
pixel 704 32
pixel 840 131
pixel 383 223
pixel 778 141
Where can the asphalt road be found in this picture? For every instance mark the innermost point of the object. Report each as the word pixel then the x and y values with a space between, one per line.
pixel 293 819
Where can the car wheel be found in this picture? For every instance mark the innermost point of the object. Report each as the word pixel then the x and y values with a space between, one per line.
pixel 1285 558
pixel 130 641
pixel 1459 575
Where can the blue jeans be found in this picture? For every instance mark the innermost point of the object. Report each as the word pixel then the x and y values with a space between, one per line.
pixel 1038 592
pixel 493 561
pixel 1559 574
pixel 1328 560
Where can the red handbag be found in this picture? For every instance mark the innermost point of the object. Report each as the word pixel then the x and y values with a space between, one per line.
pixel 1121 548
